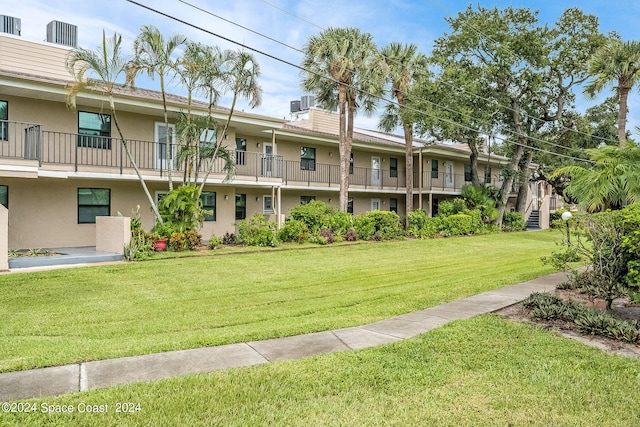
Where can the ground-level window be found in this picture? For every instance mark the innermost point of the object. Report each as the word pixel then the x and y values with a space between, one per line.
pixel 209 204
pixel 93 202
pixel 4 196
pixel 393 167
pixel 434 168
pixel 350 205
pixel 306 199
pixel 393 205
pixel 241 206
pixel 487 175
pixel 94 130
pixel 4 124
pixel 467 172
pixel 375 204
pixel 267 204
pixel 307 158
pixel 241 151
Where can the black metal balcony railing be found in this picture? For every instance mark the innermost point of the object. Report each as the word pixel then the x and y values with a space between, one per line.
pixel 28 141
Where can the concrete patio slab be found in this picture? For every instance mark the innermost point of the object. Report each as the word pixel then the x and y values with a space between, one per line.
pixel 105 373
pixel 358 338
pixel 299 346
pixel 39 382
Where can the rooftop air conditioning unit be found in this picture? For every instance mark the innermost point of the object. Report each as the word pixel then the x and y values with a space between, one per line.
pixel 307 102
pixel 62 33
pixel 295 106
pixel 10 25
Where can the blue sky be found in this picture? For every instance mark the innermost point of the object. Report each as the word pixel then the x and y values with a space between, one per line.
pixel 291 23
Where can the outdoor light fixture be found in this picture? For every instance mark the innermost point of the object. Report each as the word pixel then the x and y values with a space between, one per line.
pixel 257 199
pixel 566 216
pixel 226 197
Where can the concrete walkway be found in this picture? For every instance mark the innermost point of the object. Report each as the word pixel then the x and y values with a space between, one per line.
pixel 105 373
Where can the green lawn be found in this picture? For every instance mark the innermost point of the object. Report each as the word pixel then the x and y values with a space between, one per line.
pixel 485 371
pixel 72 315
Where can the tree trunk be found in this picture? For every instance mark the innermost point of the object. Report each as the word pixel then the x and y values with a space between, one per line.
pixel 622 113
pixel 152 202
pixel 167 138
pixel 523 182
pixel 345 149
pixel 408 141
pixel 473 158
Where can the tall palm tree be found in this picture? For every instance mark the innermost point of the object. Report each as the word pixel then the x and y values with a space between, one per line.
pixel 109 64
pixel 341 72
pixel 154 55
pixel 239 75
pixel 403 66
pixel 617 63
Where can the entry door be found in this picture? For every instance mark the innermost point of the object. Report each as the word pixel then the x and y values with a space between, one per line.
pixel 448 174
pixel 267 159
pixel 375 170
pixel 160 148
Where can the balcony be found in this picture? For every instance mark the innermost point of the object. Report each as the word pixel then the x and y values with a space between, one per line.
pixel 59 151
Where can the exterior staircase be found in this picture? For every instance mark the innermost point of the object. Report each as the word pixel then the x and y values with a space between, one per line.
pixel 533 223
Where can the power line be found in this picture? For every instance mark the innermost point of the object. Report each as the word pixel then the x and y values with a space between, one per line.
pixel 268 55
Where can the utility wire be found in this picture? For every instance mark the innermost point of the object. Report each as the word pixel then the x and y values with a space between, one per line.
pixel 268 55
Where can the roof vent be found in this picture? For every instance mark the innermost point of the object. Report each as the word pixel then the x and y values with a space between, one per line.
pixel 62 33
pixel 10 25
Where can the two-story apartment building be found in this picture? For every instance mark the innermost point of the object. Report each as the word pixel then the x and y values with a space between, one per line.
pixel 60 168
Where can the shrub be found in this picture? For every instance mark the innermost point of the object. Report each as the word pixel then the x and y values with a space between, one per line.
pixel 456 225
pixel 314 214
pixel 293 230
pixel 182 208
pixel 452 207
pixel 513 221
pixel 257 231
pixel 351 235
pixel 214 242
pixel 327 234
pixel 340 222
pixel 364 227
pixel 229 239
pixel 417 219
pixel 385 223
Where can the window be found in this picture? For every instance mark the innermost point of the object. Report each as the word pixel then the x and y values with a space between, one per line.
pixel 241 151
pixel 351 165
pixel 94 130
pixel 393 205
pixel 467 172
pixel 241 206
pixel 434 169
pixel 93 202
pixel 393 167
pixel 350 205
pixel 4 196
pixel 209 204
pixel 487 175
pixel 307 158
pixel 4 124
pixel 306 199
pixel 267 204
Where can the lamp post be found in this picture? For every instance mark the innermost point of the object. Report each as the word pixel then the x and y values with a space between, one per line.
pixel 566 216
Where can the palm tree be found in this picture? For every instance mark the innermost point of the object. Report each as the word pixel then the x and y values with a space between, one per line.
pixel 239 74
pixel 612 182
pixel 340 70
pixel 109 64
pixel 616 63
pixel 153 54
pixel 403 65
